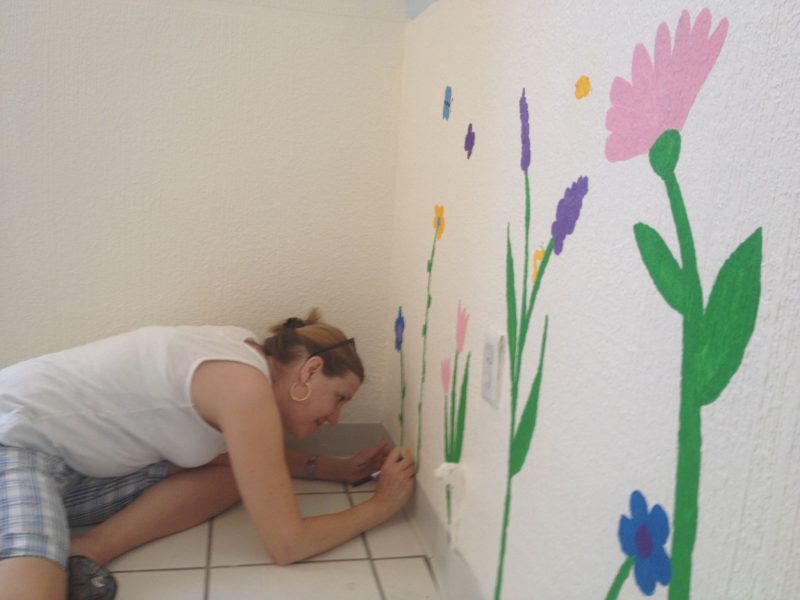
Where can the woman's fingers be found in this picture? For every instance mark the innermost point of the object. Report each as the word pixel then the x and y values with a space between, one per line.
pixel 399 460
pixel 394 456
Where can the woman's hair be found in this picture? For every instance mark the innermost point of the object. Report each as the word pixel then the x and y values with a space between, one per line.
pixel 294 338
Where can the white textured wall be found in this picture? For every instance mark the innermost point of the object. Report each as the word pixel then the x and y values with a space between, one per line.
pixel 200 161
pixel 609 404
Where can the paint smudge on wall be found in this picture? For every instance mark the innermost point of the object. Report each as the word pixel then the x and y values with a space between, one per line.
pixel 448 102
pixel 469 141
pixel 582 87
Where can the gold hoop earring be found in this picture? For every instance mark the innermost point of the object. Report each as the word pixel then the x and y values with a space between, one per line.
pixel 294 397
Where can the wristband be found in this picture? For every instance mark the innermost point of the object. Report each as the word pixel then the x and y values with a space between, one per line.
pixel 311 467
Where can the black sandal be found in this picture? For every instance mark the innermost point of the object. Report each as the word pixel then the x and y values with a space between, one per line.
pixel 89 581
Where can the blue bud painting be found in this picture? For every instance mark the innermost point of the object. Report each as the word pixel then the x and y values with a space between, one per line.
pixel 448 102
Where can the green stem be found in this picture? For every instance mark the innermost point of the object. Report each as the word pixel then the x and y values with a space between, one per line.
pixel 622 575
pixel 498 586
pixel 515 366
pixel 424 353
pixel 526 312
pixel 447 432
pixel 402 416
pixel 452 416
pixel 687 478
pixel 548 252
pixel 524 281
pixel 687 484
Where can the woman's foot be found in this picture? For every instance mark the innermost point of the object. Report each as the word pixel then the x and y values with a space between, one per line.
pixel 89 581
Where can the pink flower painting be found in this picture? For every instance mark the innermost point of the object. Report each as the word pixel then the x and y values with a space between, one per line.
pixel 462 319
pixel 446 370
pixel 662 91
pixel 646 117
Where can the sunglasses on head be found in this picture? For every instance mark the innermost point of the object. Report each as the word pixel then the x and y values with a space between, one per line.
pixel 336 345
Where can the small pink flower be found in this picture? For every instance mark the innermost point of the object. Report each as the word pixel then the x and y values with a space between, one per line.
pixel 446 375
pixel 661 92
pixel 462 319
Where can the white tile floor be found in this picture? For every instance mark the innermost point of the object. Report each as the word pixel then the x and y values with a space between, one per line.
pixel 224 560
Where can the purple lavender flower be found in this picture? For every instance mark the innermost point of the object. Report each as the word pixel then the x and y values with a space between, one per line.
pixel 526 132
pixel 568 211
pixel 469 141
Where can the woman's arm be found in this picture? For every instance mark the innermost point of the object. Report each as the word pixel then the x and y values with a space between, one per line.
pixel 330 468
pixel 245 410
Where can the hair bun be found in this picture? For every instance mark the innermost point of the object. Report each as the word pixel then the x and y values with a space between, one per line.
pixel 293 323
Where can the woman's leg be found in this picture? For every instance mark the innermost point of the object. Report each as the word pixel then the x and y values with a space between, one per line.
pixel 34 537
pixel 179 502
pixel 32 578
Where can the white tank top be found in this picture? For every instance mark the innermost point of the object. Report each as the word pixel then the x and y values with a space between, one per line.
pixel 116 405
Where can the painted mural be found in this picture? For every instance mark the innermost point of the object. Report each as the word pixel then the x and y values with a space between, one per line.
pixel 519 318
pixel 469 141
pixel 646 117
pixel 583 87
pixel 438 230
pixel 455 408
pixel 642 537
pixel 399 329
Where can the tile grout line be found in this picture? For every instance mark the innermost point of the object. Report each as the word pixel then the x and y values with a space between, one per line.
pixel 363 537
pixel 207 583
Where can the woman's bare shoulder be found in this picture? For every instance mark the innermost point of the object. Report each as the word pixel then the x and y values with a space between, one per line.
pixel 221 386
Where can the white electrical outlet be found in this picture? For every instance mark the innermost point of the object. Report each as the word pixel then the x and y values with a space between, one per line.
pixel 492 360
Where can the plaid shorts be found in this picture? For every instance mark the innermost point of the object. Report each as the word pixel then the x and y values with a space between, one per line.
pixel 41 498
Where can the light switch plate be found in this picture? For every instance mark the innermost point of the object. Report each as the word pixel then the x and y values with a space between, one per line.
pixel 492 362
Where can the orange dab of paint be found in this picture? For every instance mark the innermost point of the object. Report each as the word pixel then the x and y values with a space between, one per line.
pixel 582 87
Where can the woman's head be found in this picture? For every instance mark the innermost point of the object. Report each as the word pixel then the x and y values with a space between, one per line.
pixel 295 339
pixel 316 372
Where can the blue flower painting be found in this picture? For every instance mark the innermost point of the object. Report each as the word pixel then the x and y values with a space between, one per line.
pixel 642 537
pixel 448 101
pixel 399 328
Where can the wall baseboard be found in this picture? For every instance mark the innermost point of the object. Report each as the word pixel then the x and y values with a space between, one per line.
pixel 454 578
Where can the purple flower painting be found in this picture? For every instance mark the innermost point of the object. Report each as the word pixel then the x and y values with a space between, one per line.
pixel 469 141
pixel 568 211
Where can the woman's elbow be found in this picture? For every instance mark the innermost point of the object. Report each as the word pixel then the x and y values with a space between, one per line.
pixel 282 554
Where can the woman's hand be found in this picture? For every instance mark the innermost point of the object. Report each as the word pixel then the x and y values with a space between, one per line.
pixel 396 482
pixel 364 463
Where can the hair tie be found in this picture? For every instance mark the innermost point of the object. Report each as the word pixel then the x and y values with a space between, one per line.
pixel 293 323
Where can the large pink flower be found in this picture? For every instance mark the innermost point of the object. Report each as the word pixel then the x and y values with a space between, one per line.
pixel 462 318
pixel 662 92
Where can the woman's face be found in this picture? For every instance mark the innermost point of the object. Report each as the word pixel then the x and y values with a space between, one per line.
pixel 325 402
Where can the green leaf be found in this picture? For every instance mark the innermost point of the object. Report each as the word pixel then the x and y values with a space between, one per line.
pixel 527 423
pixel 729 319
pixel 511 303
pixel 461 417
pixel 662 266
